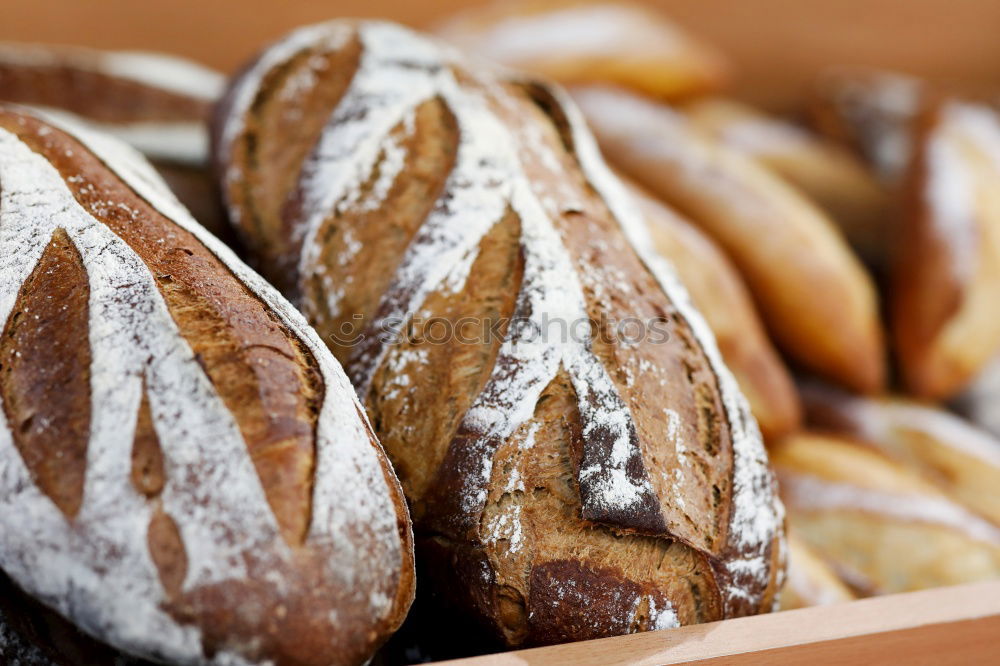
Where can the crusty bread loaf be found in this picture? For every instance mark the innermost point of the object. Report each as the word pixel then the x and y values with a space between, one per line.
pixel 622 43
pixel 811 581
pixel 826 172
pixel 945 298
pixel 816 298
pixel 946 450
pixel 719 293
pixel 565 483
pixel 186 474
pixel 883 527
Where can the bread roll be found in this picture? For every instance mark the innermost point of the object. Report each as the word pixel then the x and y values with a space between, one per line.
pixel 187 476
pixel 810 581
pixel 890 528
pixel 622 43
pixel 946 280
pixel 827 173
pixel 815 297
pixel 870 111
pixel 568 478
pixel 719 293
pixel 943 448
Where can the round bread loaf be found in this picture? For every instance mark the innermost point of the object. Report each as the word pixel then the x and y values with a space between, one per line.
pixel 185 473
pixel 458 241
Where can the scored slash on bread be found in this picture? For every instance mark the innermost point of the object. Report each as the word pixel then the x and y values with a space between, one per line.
pixel 719 293
pixel 562 488
pixel 185 473
pixel 815 297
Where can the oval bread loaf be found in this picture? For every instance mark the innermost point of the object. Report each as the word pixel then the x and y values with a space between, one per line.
pixel 185 473
pixel 568 479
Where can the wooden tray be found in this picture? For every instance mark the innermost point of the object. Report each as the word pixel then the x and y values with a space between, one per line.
pixel 778 47
pixel 948 625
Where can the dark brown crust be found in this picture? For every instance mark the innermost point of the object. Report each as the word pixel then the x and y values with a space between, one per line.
pixel 45 380
pixel 271 384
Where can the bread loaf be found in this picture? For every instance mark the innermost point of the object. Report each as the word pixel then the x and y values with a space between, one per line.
pixel 885 528
pixel 564 484
pixel 944 449
pixel 157 103
pixel 946 279
pixel 827 173
pixel 815 296
pixel 719 293
pixel 185 474
pixel 622 43
pixel 811 581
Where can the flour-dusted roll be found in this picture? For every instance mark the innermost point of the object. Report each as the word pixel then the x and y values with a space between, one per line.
pixel 578 460
pixel 884 528
pixel 940 446
pixel 830 175
pixel 622 43
pixel 816 298
pixel 720 294
pixel 185 473
pixel 945 297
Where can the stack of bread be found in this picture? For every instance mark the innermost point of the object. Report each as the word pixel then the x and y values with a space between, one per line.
pixel 563 393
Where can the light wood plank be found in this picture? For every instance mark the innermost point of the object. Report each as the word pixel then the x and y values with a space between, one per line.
pixel 952 625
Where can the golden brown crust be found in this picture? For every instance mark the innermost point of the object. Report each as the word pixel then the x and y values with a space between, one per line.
pixel 438 195
pixel 273 391
pixel 786 249
pixel 620 43
pixel 718 291
pixel 46 373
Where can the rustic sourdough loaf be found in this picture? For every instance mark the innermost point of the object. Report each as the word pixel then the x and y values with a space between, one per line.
pixel 185 473
pixel 564 485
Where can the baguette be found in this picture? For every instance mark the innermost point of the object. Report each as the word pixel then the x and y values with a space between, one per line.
pixel 564 485
pixel 719 293
pixel 830 175
pixel 815 297
pixel 889 528
pixel 621 43
pixel 945 300
pixel 187 475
